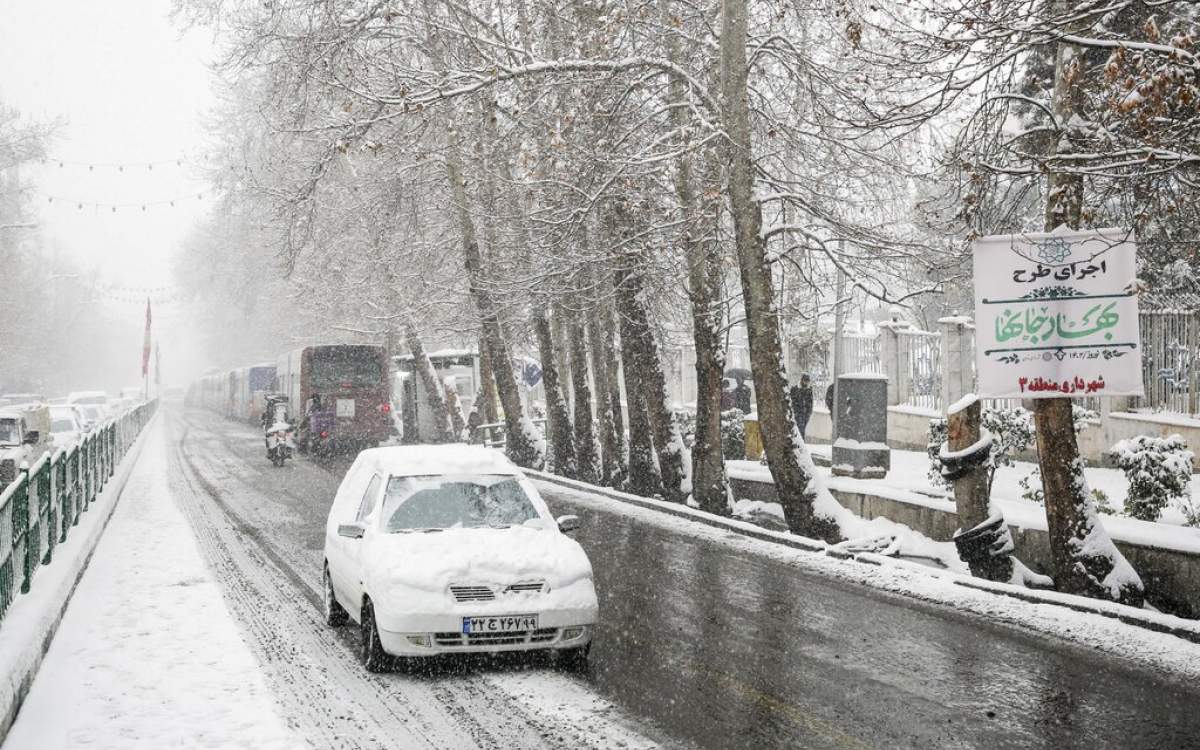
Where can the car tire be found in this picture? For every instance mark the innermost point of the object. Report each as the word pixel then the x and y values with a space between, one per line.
pixel 573 659
pixel 335 614
pixel 374 658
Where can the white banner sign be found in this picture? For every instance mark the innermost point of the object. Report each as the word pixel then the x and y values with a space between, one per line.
pixel 1057 315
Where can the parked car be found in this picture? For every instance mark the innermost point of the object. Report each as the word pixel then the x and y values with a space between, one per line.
pixel 66 425
pixel 93 415
pixel 24 437
pixel 449 549
pixel 12 399
pixel 88 398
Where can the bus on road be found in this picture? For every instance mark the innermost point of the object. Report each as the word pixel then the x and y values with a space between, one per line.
pixel 340 393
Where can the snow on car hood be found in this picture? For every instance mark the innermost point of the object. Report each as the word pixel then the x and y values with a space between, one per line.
pixel 433 560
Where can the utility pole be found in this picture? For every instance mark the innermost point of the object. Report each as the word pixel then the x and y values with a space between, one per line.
pixel 839 322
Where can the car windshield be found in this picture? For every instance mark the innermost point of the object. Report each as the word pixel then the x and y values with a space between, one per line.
pixel 9 435
pixel 450 502
pixel 92 413
pixel 62 425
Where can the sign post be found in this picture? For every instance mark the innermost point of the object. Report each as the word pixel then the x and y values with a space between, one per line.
pixel 1056 315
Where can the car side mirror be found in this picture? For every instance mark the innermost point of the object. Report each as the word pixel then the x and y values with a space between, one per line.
pixel 351 530
pixel 32 437
pixel 568 524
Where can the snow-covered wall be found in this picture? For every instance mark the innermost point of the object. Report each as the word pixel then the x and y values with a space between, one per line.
pixel 1170 571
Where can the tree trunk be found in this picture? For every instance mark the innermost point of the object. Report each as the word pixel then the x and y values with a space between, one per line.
pixel 970 490
pixel 638 340
pixel 611 447
pixel 710 486
pixel 643 477
pixel 613 355
pixel 558 420
pixel 560 335
pixel 587 447
pixel 523 442
pixel 787 455
pixel 429 383
pixel 1083 558
pixel 487 385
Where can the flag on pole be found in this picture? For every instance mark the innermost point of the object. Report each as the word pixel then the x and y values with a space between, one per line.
pixel 157 364
pixel 146 343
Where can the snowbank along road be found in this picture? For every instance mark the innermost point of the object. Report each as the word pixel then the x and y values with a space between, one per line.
pixel 703 642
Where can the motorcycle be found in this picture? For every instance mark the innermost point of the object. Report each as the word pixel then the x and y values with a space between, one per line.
pixel 279 432
pixel 320 441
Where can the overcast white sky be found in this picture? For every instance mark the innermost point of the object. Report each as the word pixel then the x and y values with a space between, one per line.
pixel 129 88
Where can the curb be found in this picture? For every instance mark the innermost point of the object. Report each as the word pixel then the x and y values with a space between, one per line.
pixel 28 630
pixel 1167 624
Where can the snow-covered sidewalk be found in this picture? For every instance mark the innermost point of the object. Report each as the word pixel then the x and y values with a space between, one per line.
pixel 148 655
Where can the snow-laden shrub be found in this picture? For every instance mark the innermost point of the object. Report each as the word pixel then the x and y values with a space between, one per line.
pixel 1159 471
pixel 687 426
pixel 733 434
pixel 1031 485
pixel 1011 430
pixel 1031 489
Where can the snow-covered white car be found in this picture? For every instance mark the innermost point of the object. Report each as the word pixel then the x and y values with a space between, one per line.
pixel 66 424
pixel 449 549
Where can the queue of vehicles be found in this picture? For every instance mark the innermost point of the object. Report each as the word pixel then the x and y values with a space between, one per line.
pixel 31 425
pixel 431 549
pixel 338 396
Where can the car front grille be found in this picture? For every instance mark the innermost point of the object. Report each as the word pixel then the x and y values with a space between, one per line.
pixel 541 635
pixel 483 593
pixel 472 593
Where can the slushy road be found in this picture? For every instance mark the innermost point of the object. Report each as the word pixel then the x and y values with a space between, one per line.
pixel 699 644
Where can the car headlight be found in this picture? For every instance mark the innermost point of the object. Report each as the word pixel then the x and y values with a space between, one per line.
pixel 418 640
pixel 570 634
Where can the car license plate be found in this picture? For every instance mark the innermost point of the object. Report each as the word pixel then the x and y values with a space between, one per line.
pixel 345 407
pixel 499 624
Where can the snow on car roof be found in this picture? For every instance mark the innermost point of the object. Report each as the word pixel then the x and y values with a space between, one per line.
pixel 76 395
pixel 424 460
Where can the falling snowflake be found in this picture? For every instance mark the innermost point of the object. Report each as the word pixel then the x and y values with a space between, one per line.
pixel 1053 251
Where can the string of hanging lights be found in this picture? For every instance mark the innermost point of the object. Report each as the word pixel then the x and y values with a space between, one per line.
pixel 117 166
pixel 79 204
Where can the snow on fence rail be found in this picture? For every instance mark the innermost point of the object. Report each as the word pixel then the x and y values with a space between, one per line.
pixel 39 508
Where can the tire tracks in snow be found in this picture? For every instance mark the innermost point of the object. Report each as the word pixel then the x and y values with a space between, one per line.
pixel 326 694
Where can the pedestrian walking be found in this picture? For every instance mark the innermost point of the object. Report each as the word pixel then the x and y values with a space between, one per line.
pixel 802 403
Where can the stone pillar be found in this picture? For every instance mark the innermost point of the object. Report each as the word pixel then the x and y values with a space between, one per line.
pixel 893 356
pixel 860 448
pixel 889 360
pixel 958 375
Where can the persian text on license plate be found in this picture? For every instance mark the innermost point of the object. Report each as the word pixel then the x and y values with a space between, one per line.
pixel 499 624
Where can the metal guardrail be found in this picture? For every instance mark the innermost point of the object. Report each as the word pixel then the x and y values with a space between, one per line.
pixel 39 508
pixel 494 434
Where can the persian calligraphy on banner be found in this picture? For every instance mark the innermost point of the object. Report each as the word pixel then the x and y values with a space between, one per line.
pixel 1056 315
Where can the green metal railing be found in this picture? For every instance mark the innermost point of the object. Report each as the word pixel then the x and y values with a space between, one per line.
pixel 39 508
